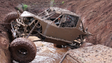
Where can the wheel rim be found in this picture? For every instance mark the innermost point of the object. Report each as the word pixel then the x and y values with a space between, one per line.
pixel 22 51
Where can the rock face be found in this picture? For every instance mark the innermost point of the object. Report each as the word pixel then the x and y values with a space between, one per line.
pixel 4 46
pixel 97 16
pixel 91 54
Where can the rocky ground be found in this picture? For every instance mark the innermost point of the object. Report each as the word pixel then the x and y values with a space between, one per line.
pixel 46 52
pixel 95 14
pixel 92 54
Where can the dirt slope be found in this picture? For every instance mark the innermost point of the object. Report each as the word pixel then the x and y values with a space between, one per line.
pixel 4 46
pixel 96 14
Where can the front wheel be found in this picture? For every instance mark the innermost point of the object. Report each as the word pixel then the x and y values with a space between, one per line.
pixel 23 50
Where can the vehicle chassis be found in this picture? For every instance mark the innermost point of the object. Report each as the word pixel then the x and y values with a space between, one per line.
pixel 55 25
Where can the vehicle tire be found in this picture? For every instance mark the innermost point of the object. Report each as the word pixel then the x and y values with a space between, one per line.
pixel 10 17
pixel 23 50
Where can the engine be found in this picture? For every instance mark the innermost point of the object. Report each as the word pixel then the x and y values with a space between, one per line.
pixel 25 26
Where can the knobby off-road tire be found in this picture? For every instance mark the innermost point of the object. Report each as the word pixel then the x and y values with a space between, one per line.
pixel 10 17
pixel 23 50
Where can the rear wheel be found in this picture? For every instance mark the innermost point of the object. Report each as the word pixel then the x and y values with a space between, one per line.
pixel 23 50
pixel 9 18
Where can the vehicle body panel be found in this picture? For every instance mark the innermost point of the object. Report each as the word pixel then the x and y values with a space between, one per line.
pixel 51 31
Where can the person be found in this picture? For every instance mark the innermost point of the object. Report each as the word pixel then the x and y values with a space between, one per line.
pixel 68 21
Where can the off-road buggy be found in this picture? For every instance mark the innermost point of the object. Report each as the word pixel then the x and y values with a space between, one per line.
pixel 55 25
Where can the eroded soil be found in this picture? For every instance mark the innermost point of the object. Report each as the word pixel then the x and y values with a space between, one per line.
pixel 95 14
